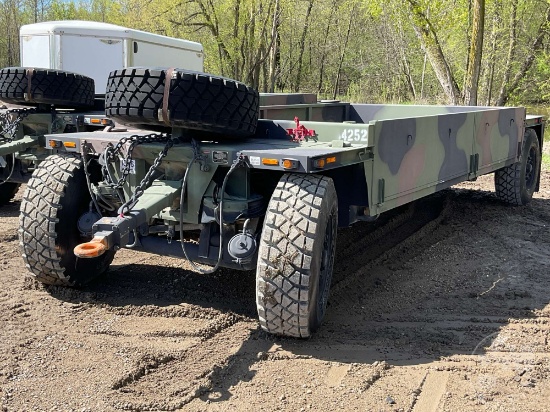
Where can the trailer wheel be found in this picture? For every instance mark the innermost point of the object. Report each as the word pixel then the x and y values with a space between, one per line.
pixel 515 184
pixel 196 100
pixel 46 86
pixel 55 198
pixel 8 191
pixel 296 255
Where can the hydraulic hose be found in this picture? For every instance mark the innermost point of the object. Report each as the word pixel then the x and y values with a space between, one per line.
pixel 235 164
pixel 11 171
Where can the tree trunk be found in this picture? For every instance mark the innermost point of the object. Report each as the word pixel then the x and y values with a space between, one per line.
pixel 491 62
pixel 430 43
pixel 274 53
pixel 476 51
pixel 535 49
pixel 342 55
pixel 324 49
pixel 301 47
pixel 236 23
pixel 511 52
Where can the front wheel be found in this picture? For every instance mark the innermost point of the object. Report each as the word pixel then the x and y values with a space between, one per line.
pixel 296 255
pixel 515 184
pixel 56 197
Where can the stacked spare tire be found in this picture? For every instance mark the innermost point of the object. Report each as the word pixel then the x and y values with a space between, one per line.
pixel 30 86
pixel 180 98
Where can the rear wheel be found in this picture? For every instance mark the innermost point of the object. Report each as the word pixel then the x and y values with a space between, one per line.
pixel 56 197
pixel 28 85
pixel 296 255
pixel 515 184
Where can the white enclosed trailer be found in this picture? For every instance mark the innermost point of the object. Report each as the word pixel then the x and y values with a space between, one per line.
pixel 95 49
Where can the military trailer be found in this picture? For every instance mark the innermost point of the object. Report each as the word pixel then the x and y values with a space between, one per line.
pixel 206 181
pixel 61 88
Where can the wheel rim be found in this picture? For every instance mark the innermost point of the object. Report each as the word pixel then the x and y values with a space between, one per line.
pixel 530 168
pixel 327 261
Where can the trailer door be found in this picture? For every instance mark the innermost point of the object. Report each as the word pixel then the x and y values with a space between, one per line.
pixel 35 51
pixel 92 56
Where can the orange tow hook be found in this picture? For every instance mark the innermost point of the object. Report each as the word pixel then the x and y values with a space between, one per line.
pixel 94 248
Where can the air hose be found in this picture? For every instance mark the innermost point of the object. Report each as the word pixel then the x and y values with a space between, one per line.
pixel 238 162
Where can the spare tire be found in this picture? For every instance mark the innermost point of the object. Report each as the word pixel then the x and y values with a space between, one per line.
pixel 32 86
pixel 194 100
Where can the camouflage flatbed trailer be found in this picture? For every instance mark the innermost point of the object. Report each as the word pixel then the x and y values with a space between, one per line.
pixel 213 185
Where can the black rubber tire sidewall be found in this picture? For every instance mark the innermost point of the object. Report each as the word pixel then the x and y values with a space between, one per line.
pixel 318 290
pixel 8 190
pixel 510 183
pixel 57 192
pixel 197 101
pixel 48 86
pixel 288 273
pixel 76 202
pixel 531 143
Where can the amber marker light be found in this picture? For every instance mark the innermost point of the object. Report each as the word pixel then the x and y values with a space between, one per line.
pixel 331 159
pixel 270 162
pixel 95 121
pixel 70 145
pixel 290 164
pixel 54 143
pixel 319 163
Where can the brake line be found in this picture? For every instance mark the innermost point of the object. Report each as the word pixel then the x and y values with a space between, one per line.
pixel 11 171
pixel 196 156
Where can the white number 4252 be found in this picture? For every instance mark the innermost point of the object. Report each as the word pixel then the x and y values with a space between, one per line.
pixel 354 135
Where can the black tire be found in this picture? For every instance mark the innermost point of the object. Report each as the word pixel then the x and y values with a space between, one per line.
pixel 296 255
pixel 196 101
pixel 55 198
pixel 46 86
pixel 515 184
pixel 8 191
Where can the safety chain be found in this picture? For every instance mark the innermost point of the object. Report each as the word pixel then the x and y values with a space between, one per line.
pixel 110 155
pixel 112 152
pixel 9 126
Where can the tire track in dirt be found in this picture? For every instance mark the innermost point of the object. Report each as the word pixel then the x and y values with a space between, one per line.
pixel 168 365
pixel 393 241
pixel 453 288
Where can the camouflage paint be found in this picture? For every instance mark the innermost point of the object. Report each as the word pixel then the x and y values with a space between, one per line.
pixel 498 133
pixel 407 151
pixel 455 145
pixel 416 156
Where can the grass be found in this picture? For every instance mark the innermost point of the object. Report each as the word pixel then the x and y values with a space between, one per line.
pixel 546 161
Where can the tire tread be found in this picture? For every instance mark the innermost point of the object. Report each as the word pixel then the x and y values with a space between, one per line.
pixel 197 101
pixel 282 283
pixel 47 86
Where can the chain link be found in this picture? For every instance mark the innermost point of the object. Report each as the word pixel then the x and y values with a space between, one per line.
pixel 112 153
pixel 10 125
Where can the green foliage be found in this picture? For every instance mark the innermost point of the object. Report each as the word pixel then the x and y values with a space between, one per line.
pixel 359 50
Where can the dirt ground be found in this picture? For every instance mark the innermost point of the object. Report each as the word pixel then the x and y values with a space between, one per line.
pixel 442 305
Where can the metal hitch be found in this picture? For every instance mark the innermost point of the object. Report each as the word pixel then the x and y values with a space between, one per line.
pixel 94 248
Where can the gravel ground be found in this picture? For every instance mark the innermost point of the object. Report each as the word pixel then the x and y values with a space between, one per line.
pixel 440 305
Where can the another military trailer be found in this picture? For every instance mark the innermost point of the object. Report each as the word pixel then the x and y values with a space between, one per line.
pixel 210 183
pixel 61 88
